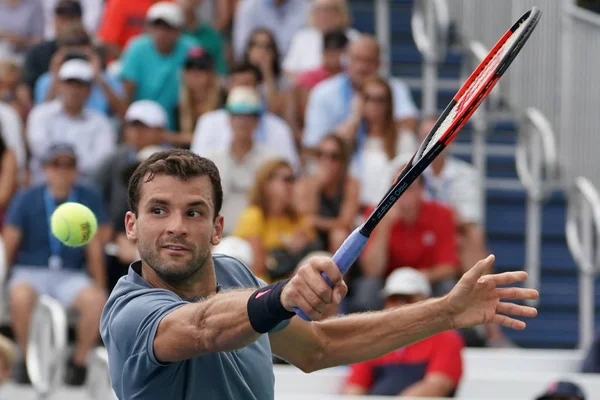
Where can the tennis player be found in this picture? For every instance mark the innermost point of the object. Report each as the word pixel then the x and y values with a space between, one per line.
pixel 184 324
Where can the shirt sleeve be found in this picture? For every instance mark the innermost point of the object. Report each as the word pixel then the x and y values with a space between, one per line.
pixel 41 87
pixel 318 121
pixel 361 375
pixel 129 326
pixel 446 247
pixel 130 63
pixel 113 23
pixel 404 107
pixel 447 359
pixel 251 223
pixel 15 214
pixel 38 136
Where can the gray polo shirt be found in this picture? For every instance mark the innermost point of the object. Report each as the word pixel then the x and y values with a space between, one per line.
pixel 128 327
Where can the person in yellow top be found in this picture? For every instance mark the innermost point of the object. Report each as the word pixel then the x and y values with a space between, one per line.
pixel 279 237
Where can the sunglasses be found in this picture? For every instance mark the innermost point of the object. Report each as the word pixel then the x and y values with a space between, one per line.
pixel 376 99
pixel 331 155
pixel 64 164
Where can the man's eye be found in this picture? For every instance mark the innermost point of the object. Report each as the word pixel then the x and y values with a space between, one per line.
pixel 158 211
pixel 194 213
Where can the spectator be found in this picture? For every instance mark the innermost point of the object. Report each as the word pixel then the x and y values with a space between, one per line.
pixel 262 52
pixel 68 26
pixel 334 48
pixel 429 368
pixel 200 93
pixel 67 120
pixel 123 20
pixel 151 63
pixel 330 102
pixel 279 237
pixel 414 232
pixel 92 11
pixel 562 390
pixel 214 129
pixel 11 131
pixel 8 177
pixel 239 161
pixel 206 35
pixel 306 50
pixel 21 24
pixel 145 123
pixel 10 77
pixel 282 17
pixel 75 276
pixel 328 197
pixel 375 137
pixel 107 92
pixel 7 358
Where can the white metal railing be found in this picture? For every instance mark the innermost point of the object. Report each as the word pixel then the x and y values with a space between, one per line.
pixel 46 348
pixel 430 23
pixel 537 168
pixel 583 238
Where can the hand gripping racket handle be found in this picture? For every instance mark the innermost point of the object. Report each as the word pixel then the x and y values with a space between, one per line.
pixel 343 258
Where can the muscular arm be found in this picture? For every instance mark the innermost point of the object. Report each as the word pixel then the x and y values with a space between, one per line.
pixel 219 323
pixel 359 337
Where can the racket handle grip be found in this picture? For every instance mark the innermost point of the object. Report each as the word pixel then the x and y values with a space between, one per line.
pixel 344 257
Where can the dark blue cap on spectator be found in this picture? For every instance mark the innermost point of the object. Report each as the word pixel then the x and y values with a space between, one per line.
pixel 59 150
pixel 68 8
pixel 563 388
pixel 198 58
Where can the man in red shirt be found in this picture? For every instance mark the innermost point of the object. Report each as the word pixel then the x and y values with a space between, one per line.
pixel 123 20
pixel 429 368
pixel 414 232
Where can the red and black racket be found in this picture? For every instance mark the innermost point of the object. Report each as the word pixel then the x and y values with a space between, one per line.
pixel 454 117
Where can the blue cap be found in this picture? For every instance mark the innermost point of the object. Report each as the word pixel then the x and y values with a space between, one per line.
pixel 58 150
pixel 563 388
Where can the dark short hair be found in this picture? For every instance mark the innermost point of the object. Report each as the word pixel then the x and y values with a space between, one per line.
pixel 335 39
pixel 244 67
pixel 180 164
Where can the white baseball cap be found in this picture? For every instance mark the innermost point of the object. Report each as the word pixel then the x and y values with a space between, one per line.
pixel 170 13
pixel 244 100
pixel 76 69
pixel 148 112
pixel 406 281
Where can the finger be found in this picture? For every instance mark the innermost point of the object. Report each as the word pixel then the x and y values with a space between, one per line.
pixel 515 293
pixel 318 285
pixel 339 292
pixel 507 278
pixel 516 310
pixel 307 292
pixel 325 264
pixel 481 268
pixel 307 308
pixel 509 322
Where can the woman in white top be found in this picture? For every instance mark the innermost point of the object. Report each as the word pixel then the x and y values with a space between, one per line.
pixel 376 138
pixel 306 48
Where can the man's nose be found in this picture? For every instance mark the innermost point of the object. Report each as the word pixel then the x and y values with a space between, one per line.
pixel 177 224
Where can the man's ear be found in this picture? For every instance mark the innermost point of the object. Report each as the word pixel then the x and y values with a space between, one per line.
pixel 217 233
pixel 130 222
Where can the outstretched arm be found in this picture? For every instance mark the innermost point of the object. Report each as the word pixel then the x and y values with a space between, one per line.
pixel 360 337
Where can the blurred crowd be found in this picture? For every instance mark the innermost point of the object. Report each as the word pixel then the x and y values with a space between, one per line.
pixel 285 97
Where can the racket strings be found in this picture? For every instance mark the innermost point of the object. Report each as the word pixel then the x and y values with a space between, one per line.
pixel 482 78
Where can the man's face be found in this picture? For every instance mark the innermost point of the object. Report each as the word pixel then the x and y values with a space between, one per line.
pixel 411 200
pixel 163 35
pixel 247 78
pixel 62 22
pixel 243 126
pixel 175 226
pixel 61 172
pixel 74 93
pixel 140 135
pixel 363 60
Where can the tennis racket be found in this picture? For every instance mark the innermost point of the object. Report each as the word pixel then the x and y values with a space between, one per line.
pixel 454 117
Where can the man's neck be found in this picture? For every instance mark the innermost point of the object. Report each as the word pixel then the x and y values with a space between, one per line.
pixel 73 111
pixel 437 166
pixel 202 284
pixel 240 148
pixel 59 192
pixel 410 217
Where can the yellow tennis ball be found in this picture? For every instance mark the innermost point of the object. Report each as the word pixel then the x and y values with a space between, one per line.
pixel 73 224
